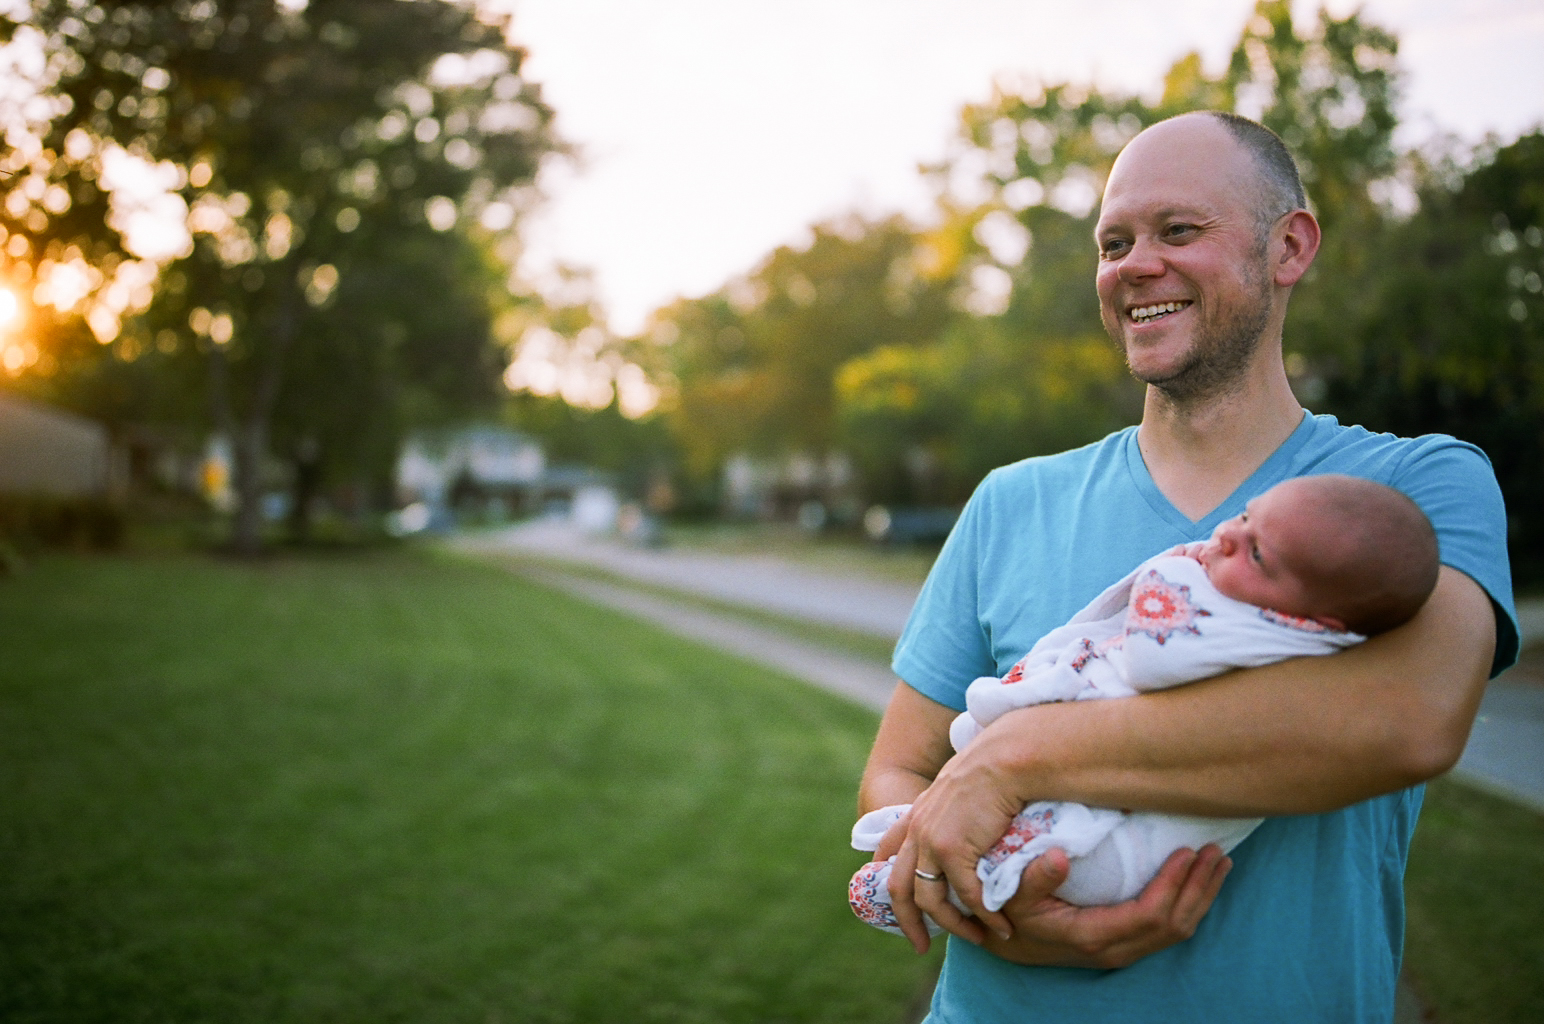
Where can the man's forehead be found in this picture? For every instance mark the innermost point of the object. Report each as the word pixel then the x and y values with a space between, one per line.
pixel 1189 164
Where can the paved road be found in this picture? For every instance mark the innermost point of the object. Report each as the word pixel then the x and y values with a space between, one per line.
pixel 1505 752
pixel 757 581
pixel 1506 748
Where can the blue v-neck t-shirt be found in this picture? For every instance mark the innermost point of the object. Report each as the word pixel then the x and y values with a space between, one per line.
pixel 1309 925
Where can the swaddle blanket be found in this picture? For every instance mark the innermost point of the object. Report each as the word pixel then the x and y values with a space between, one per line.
pixel 1162 625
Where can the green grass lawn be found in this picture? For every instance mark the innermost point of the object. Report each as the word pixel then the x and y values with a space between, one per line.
pixel 389 787
pixel 1475 899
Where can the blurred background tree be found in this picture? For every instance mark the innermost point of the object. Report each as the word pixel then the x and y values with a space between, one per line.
pixel 342 181
pixel 753 365
pixel 293 197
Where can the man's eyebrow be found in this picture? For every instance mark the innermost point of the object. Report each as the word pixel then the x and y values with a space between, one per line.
pixel 1114 224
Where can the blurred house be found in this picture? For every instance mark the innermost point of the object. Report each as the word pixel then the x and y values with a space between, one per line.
pixel 47 451
pixel 588 497
pixel 798 487
pixel 488 474
pixel 449 468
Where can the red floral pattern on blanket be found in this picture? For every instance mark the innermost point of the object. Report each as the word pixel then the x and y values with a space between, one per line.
pixel 1293 622
pixel 1085 652
pixel 869 895
pixel 1026 825
pixel 1162 609
pixel 1090 650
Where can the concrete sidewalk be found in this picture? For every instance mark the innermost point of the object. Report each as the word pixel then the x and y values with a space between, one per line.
pixel 763 582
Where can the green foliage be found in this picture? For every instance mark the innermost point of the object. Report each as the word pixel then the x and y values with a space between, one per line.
pixel 1450 336
pixel 754 364
pixel 639 451
pixel 929 422
pixel 389 788
pixel 330 154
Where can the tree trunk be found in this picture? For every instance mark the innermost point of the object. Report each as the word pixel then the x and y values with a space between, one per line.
pixel 251 440
pixel 308 481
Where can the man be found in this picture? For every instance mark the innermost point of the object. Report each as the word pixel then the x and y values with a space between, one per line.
pixel 1202 235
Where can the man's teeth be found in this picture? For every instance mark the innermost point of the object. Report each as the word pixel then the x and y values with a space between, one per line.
pixel 1145 314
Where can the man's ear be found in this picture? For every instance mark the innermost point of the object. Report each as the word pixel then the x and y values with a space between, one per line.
pixel 1296 244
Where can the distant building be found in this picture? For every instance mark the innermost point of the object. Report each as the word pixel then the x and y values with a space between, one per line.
pixel 46 451
pixel 489 473
pixel 789 487
pixel 443 467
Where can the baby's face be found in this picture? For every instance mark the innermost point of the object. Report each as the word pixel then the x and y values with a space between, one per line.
pixel 1246 557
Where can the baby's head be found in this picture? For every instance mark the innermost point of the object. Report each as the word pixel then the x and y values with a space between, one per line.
pixel 1346 552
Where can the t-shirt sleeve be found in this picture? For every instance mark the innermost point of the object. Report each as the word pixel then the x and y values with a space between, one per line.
pixel 944 645
pixel 1453 483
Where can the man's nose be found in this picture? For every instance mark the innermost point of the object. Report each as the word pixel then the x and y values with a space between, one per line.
pixel 1143 260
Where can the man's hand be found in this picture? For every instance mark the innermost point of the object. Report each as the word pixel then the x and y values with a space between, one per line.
pixel 1048 932
pixel 1037 929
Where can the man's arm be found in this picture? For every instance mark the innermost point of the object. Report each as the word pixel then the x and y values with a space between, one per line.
pixel 1297 737
pixel 1303 736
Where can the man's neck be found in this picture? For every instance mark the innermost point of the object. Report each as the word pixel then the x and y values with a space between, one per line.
pixel 1199 452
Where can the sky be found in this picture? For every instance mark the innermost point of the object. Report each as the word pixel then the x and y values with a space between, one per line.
pixel 709 132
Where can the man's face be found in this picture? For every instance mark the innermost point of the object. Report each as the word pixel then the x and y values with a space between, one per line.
pixel 1182 281
pixel 1250 557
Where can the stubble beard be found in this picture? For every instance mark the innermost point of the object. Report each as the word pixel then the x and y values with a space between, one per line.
pixel 1220 354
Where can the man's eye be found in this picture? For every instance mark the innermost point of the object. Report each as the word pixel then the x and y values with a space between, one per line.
pixel 1113 247
pixel 1178 230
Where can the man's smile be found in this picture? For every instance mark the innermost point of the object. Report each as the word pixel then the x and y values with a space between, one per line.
pixel 1155 311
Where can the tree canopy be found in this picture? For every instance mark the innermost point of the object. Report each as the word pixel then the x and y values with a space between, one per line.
pixel 290 195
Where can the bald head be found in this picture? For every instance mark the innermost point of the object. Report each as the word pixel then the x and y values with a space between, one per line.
pixel 1257 162
pixel 1266 173
pixel 1280 185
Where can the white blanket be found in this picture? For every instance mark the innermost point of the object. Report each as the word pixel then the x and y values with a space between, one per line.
pixel 1161 626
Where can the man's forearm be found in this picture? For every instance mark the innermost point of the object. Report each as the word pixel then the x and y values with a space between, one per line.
pixel 1303 736
pixel 912 744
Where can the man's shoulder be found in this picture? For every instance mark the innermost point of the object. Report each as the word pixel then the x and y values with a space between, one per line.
pixel 1349 448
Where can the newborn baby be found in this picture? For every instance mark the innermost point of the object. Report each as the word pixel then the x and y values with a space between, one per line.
pixel 1313 565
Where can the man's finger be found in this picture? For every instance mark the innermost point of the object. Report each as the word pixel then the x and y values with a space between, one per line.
pixel 903 898
pixel 1046 873
pixel 968 891
pixel 893 837
pixel 933 897
pixel 1158 899
pixel 1200 888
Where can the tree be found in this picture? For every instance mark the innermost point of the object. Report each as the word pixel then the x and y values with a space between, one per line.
pixel 326 157
pixel 1451 336
pixel 753 364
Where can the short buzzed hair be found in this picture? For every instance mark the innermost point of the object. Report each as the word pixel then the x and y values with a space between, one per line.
pixel 1386 566
pixel 1281 189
